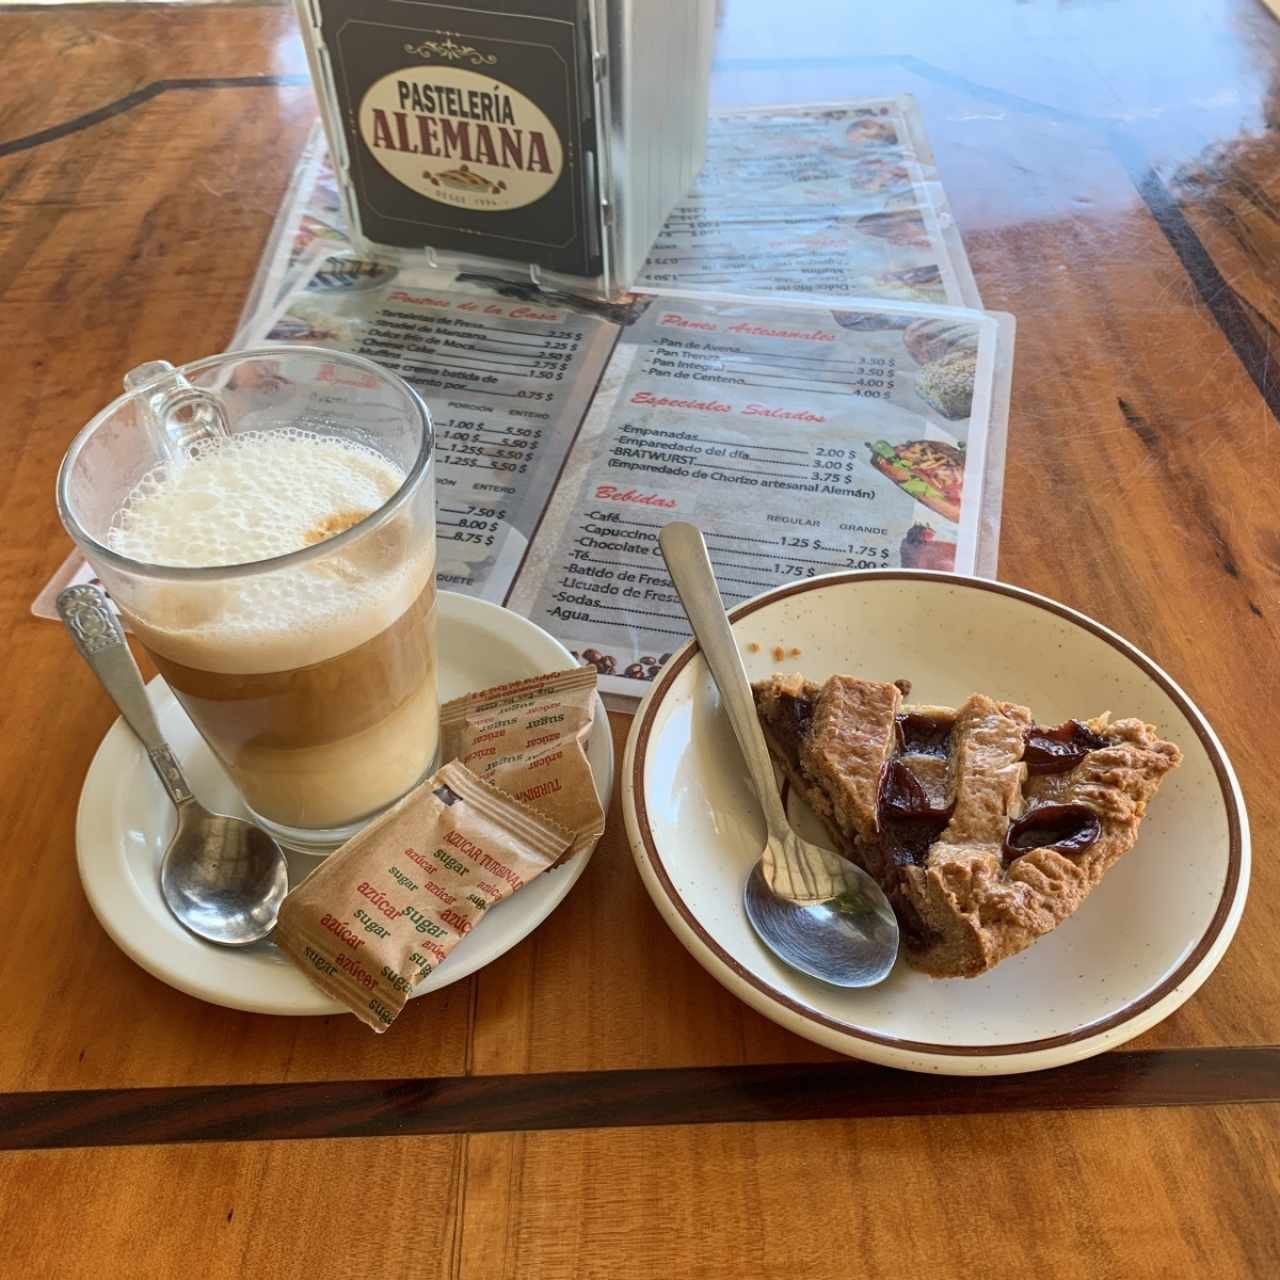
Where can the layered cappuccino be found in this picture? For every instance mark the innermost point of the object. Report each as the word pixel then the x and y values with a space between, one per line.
pixel 315 682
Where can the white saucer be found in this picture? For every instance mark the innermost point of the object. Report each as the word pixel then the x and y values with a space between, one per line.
pixel 125 821
pixel 1142 943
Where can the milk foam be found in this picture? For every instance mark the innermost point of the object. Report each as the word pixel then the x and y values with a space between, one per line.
pixel 257 495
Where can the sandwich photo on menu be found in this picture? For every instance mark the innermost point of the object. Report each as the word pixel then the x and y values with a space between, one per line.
pixel 931 471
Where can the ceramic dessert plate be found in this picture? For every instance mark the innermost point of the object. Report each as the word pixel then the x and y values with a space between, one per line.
pixel 125 820
pixel 1141 943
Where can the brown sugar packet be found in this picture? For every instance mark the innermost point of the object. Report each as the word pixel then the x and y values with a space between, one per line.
pixel 529 737
pixel 383 911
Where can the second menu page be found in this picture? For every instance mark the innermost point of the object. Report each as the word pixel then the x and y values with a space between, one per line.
pixel 802 438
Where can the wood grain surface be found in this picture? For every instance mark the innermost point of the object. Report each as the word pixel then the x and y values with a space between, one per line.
pixel 1115 172
pixel 1140 1195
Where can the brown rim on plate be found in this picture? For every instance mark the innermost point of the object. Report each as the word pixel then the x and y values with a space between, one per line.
pixel 1089 1030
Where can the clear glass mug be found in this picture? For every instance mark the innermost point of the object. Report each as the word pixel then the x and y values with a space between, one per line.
pixel 309 670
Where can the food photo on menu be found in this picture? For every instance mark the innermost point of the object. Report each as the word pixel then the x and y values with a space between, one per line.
pixel 731 460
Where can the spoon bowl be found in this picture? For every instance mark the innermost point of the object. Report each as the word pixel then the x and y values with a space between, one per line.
pixel 849 939
pixel 817 911
pixel 223 878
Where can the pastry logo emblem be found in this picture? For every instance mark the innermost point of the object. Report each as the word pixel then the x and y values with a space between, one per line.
pixel 461 138
pixel 463 179
pixel 451 51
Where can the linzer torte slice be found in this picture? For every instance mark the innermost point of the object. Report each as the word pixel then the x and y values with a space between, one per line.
pixel 984 829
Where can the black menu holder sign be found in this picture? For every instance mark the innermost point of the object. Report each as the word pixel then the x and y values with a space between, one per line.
pixel 465 130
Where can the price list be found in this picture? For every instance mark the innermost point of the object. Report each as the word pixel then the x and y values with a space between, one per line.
pixel 772 428
pixel 729 365
pixel 831 200
pixel 805 436
pixel 507 383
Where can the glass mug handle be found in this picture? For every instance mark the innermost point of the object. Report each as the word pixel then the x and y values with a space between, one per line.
pixel 177 414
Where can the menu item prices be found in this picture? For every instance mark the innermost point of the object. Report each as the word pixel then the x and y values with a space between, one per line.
pixel 798 436
pixel 377 916
pixel 529 737
pixel 831 198
pixel 507 382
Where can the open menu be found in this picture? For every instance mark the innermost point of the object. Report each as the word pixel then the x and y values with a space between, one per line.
pixel 805 434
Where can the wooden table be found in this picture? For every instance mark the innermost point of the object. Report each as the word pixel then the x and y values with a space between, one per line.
pixel 593 1104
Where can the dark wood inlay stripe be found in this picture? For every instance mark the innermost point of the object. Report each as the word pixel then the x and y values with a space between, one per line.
pixel 130 100
pixel 608 1099
pixel 1227 308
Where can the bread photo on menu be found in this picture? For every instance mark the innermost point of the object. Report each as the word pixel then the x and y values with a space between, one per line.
pixel 985 829
pixel 947 384
pixel 920 283
pixel 930 340
pixel 947 353
pixel 869 129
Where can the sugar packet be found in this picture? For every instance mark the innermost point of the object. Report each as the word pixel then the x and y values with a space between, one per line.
pixel 529 737
pixel 378 915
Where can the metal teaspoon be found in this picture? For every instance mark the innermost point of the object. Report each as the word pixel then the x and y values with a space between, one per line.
pixel 812 908
pixel 222 878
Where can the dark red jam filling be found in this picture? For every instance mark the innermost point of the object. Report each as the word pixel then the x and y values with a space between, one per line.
pixel 1060 749
pixel 795 717
pixel 923 736
pixel 902 795
pixel 908 823
pixel 1068 829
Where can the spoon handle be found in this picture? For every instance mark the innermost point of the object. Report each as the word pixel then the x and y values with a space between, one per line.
pixel 100 640
pixel 685 552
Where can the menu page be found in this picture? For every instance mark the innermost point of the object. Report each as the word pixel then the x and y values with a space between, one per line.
pixel 821 199
pixel 803 438
pixel 507 382
pixel 824 198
